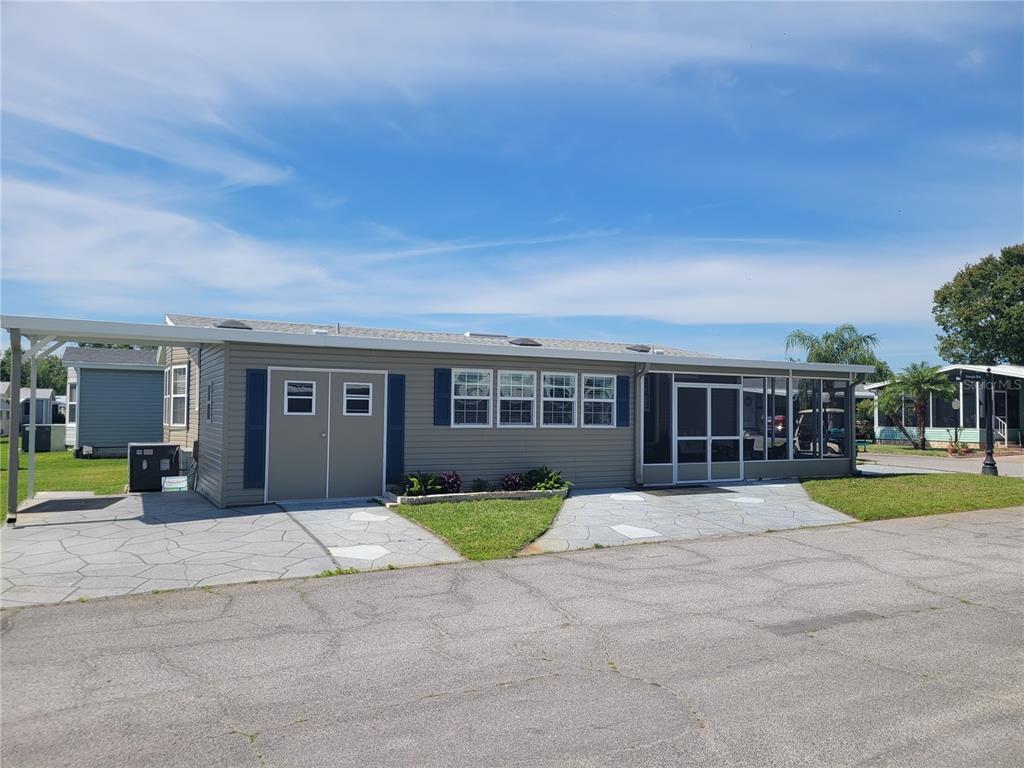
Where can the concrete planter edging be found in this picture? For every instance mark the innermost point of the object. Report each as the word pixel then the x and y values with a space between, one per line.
pixel 450 497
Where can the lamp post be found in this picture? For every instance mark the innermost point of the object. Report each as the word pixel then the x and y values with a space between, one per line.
pixel 989 467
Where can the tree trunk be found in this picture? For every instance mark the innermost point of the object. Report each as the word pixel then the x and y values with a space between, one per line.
pixel 899 423
pixel 920 408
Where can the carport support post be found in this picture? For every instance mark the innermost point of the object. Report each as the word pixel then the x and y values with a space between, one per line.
pixel 33 406
pixel 15 422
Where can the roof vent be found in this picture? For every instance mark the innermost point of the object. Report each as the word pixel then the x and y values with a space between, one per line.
pixel 524 341
pixel 319 331
pixel 233 324
pixel 657 351
pixel 474 335
pixel 640 347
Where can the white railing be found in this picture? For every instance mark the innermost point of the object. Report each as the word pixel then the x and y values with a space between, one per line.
pixel 1001 429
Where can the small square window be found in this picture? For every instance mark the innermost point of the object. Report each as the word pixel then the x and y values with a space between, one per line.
pixel 300 398
pixel 357 399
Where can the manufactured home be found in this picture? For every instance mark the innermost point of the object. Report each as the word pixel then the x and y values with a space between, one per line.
pixel 963 417
pixel 114 397
pixel 280 411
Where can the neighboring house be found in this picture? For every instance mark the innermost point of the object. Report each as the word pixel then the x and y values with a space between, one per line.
pixel 284 411
pixel 114 398
pixel 943 420
pixel 44 406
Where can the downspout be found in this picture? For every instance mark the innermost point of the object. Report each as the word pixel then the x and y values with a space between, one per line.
pixel 638 447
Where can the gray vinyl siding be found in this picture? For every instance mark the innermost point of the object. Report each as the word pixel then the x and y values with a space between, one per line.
pixel 212 363
pixel 587 457
pixel 117 407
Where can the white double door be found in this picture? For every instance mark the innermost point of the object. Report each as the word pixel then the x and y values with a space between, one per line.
pixel 708 433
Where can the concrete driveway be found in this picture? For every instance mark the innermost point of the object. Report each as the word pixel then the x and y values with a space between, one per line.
pixel 67 549
pixel 620 516
pixel 879 644
pixel 1010 466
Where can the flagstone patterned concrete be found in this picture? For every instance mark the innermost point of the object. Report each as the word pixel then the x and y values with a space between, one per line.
pixel 369 538
pixel 617 516
pixel 65 549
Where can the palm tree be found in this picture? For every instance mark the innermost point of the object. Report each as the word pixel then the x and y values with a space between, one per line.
pixel 843 344
pixel 917 382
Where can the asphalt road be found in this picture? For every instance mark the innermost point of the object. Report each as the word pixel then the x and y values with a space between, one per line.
pixel 893 643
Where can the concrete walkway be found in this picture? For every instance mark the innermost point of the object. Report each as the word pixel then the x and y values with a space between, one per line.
pixel 1009 466
pixel 620 516
pixel 66 549
pixel 369 537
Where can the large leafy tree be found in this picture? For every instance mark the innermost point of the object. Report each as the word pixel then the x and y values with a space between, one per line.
pixel 50 373
pixel 981 311
pixel 843 344
pixel 916 383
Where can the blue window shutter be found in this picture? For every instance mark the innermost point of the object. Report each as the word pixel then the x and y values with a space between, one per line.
pixel 396 428
pixel 442 397
pixel 255 449
pixel 622 401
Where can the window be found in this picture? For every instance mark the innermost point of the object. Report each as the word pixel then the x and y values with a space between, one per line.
pixel 558 399
pixel 777 396
pixel 806 418
pixel 300 398
pixel 658 418
pixel 176 396
pixel 209 402
pixel 754 436
pixel 517 394
pixel 835 427
pixel 471 398
pixel 356 400
pixel 598 401
pixel 72 402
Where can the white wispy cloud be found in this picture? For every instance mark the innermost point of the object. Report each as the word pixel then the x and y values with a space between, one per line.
pixel 112 258
pixel 177 81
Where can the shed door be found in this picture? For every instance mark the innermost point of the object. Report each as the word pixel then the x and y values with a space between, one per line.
pixel 298 405
pixel 356 451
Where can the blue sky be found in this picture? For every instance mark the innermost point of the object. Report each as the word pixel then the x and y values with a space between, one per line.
pixel 704 175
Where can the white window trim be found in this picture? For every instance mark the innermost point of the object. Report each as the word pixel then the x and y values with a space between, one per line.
pixel 574 400
pixel 345 396
pixel 489 398
pixel 584 400
pixel 284 407
pixel 500 399
pixel 169 395
pixel 72 403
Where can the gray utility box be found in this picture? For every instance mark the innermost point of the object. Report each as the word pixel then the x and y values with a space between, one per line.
pixel 148 463
pixel 42 438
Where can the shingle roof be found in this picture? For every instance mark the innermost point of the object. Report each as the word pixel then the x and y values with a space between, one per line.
pixel 497 341
pixel 83 355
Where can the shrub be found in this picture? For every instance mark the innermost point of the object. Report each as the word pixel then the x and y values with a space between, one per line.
pixel 479 485
pixel 513 481
pixel 422 484
pixel 544 479
pixel 451 482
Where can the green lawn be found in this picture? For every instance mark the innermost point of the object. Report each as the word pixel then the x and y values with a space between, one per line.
pixel 885 497
pixel 485 530
pixel 877 448
pixel 61 471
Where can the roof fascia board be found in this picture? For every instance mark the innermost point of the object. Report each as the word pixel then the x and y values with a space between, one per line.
pixel 178 335
pixel 116 366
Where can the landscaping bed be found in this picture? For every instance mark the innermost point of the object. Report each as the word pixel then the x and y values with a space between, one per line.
pixel 883 497
pixel 486 529
pixel 441 498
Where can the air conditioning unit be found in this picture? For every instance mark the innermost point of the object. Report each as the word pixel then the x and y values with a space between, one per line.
pixel 149 463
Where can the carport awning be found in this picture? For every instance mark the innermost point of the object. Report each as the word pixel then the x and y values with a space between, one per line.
pixel 142 334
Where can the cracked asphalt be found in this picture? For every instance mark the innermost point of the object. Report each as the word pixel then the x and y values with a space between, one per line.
pixel 891 643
